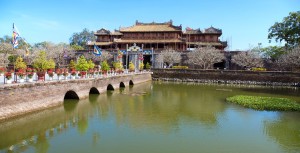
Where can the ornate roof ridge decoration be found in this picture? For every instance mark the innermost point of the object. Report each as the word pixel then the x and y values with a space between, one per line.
pixel 116 32
pixel 147 27
pixel 154 23
pixel 189 30
pixel 102 31
pixel 212 30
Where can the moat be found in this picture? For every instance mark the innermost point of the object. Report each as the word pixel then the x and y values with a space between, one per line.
pixel 158 117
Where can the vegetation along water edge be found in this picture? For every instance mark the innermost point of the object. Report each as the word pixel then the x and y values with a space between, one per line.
pixel 265 103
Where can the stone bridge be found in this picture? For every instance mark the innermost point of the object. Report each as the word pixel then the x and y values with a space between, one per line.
pixel 18 99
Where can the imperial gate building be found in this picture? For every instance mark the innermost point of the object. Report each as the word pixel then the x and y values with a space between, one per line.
pixel 152 38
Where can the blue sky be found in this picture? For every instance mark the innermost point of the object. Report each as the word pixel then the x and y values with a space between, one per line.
pixel 244 23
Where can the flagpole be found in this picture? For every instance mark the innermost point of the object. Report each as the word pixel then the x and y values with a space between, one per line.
pixel 13 46
pixel 12 40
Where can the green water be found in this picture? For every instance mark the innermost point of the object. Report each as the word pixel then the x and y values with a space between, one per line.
pixel 158 117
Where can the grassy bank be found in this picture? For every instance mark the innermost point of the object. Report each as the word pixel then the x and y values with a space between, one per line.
pixel 265 103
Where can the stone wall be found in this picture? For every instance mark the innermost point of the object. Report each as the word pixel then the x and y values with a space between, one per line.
pixel 17 99
pixel 228 76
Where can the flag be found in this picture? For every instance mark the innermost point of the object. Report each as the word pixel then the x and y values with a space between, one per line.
pixel 97 51
pixel 15 36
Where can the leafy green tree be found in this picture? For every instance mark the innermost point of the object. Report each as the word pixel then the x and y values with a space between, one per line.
pixel 82 64
pixel 82 38
pixel 6 39
pixel 12 58
pixel 288 30
pixel 43 45
pixel 272 52
pixel 77 47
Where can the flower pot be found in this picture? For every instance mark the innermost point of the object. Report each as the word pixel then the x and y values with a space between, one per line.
pixel 73 77
pixel 9 81
pixel 50 78
pixel 21 80
pixel 82 74
pixel 30 80
pixel 41 76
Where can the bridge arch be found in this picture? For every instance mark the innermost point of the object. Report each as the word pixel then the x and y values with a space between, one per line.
pixel 131 83
pixel 71 95
pixel 122 85
pixel 94 90
pixel 110 87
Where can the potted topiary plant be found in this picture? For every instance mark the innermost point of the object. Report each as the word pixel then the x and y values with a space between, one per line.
pixel 41 64
pixel 91 68
pixel 141 66
pixel 105 67
pixel 118 67
pixel 72 65
pixel 20 64
pixel 82 66
pixel 131 67
pixel 148 66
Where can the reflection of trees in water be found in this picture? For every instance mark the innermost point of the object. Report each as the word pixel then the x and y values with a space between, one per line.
pixel 82 124
pixel 285 131
pixel 96 138
pixel 42 144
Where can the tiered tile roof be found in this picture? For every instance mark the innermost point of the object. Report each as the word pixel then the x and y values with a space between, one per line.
pixel 152 27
